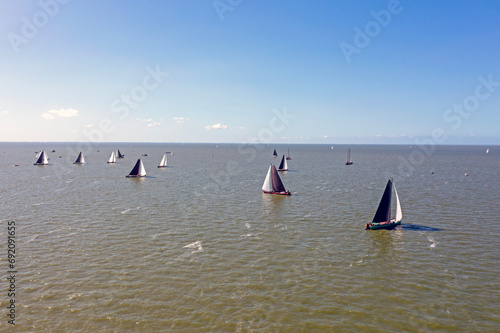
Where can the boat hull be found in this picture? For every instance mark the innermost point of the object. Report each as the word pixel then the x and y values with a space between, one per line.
pixel 382 225
pixel 129 176
pixel 161 166
pixel 279 193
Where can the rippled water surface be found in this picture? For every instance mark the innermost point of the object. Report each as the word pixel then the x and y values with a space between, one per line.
pixel 197 247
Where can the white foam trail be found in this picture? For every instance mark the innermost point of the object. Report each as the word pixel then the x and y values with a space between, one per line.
pixel 196 246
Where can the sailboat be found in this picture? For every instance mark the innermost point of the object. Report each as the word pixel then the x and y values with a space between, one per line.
pixel 349 161
pixel 138 170
pixel 272 183
pixel 488 151
pixel 112 158
pixel 275 154
pixel 288 157
pixel 119 154
pixel 41 158
pixel 80 159
pixel 382 218
pixel 283 165
pixel 163 163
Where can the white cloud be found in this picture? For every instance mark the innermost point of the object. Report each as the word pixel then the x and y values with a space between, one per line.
pixel 240 127
pixel 5 112
pixel 325 136
pixel 154 124
pixel 89 126
pixel 180 120
pixel 215 126
pixel 65 113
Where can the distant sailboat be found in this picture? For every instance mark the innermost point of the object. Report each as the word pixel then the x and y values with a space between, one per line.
pixel 382 218
pixel 349 161
pixel 488 151
pixel 275 154
pixel 41 158
pixel 138 170
pixel 288 157
pixel 272 183
pixel 80 159
pixel 283 165
pixel 163 163
pixel 119 154
pixel 112 158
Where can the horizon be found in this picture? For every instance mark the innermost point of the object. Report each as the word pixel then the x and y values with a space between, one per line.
pixel 386 72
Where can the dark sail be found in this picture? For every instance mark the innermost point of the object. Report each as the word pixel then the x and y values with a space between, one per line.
pixel 276 180
pixel 135 171
pixel 40 158
pixel 383 213
pixel 275 153
pixel 120 155
pixel 282 164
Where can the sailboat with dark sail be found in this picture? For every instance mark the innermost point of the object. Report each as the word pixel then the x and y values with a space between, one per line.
pixel 163 163
pixel 288 157
pixel 272 183
pixel 119 154
pixel 275 154
pixel 112 158
pixel 80 159
pixel 41 158
pixel 283 165
pixel 349 161
pixel 138 171
pixel 382 218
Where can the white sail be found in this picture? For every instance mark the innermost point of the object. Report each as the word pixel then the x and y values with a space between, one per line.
pixel 112 158
pixel 268 186
pixel 142 170
pixel 163 162
pixel 399 212
pixel 285 165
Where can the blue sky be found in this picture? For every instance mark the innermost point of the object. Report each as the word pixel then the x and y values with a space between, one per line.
pixel 250 71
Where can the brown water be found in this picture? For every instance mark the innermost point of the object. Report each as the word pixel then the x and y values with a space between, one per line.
pixel 197 247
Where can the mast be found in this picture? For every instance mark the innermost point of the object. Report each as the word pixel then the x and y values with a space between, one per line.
pixel 383 213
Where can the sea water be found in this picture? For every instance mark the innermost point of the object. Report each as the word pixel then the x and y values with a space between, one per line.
pixel 197 246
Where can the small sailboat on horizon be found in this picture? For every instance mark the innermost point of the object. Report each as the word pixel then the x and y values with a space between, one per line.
pixel 275 154
pixel 112 158
pixel 273 184
pixel 163 163
pixel 382 218
pixel 80 159
pixel 283 165
pixel 41 158
pixel 288 157
pixel 349 161
pixel 138 171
